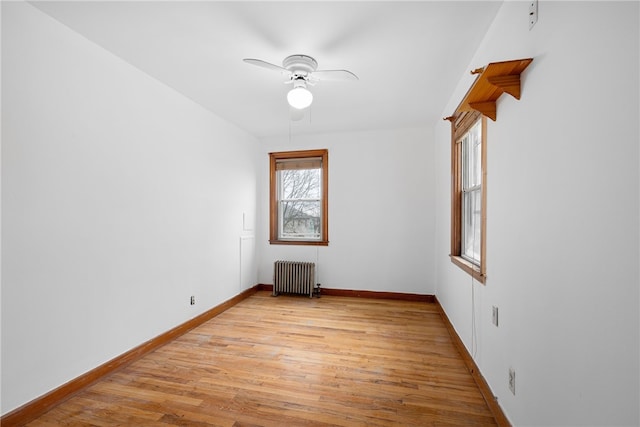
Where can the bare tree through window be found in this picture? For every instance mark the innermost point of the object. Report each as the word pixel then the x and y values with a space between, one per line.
pixel 300 203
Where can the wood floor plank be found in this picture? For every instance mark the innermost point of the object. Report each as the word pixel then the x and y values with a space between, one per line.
pixel 292 361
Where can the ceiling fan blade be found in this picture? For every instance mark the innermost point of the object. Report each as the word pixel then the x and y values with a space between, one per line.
pixel 265 64
pixel 333 75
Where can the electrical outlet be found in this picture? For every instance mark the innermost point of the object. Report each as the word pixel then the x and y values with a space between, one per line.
pixel 193 300
pixel 494 315
pixel 512 381
pixel 533 13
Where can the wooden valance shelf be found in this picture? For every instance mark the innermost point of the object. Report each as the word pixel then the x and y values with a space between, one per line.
pixel 492 81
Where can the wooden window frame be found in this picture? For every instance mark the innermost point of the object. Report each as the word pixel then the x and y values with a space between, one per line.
pixel 273 196
pixel 460 124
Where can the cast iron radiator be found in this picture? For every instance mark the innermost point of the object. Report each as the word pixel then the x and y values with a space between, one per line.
pixel 293 277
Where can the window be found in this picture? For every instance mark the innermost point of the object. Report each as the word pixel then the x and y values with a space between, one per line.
pixel 468 207
pixel 298 197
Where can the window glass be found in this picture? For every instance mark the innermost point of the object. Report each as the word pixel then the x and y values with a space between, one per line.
pixel 299 203
pixel 471 193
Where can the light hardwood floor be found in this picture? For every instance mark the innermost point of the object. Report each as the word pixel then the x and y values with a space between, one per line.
pixel 293 361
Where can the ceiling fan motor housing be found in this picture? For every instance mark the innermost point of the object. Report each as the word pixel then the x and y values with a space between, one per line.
pixel 300 65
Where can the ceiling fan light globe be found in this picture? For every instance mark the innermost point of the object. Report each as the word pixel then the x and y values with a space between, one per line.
pixel 299 97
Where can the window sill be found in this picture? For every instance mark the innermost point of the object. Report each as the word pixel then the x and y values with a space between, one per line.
pixel 470 268
pixel 300 242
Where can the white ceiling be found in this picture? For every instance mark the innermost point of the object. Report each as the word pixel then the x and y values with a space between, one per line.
pixel 408 55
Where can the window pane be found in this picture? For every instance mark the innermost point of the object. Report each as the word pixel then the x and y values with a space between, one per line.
pixel 472 157
pixel 476 156
pixel 300 184
pixel 471 208
pixel 300 219
pixel 471 193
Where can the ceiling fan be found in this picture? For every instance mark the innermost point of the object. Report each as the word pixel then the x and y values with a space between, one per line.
pixel 301 70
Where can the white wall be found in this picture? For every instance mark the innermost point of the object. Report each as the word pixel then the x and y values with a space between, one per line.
pixel 562 227
pixel 381 211
pixel 121 198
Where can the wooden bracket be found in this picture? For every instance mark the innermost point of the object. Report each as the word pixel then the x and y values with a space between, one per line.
pixel 485 108
pixel 509 84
